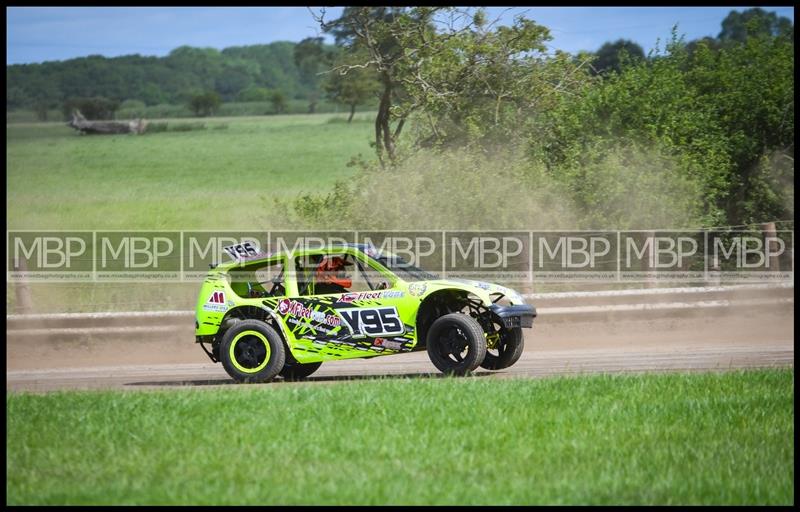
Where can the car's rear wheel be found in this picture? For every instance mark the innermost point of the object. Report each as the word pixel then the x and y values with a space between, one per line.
pixel 508 347
pixel 295 371
pixel 252 351
pixel 456 344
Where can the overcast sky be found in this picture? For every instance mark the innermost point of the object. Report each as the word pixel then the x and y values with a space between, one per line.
pixel 38 34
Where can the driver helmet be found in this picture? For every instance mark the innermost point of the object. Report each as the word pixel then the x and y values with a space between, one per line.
pixel 331 270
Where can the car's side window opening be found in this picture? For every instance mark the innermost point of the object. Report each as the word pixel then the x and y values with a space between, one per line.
pixel 262 280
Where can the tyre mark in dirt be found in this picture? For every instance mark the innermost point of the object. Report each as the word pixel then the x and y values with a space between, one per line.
pixel 532 364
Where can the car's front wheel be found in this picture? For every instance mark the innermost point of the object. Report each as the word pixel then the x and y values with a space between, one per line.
pixel 252 351
pixel 456 344
pixel 506 350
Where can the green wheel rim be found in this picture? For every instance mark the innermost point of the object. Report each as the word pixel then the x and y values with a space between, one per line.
pixel 249 352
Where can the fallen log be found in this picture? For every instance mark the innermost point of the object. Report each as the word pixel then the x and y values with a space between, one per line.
pixel 84 126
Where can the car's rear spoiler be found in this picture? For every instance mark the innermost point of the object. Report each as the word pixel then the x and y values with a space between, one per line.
pixel 519 315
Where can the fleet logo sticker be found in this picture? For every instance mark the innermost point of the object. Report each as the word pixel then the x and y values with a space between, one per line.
pixel 284 306
pixel 417 289
pixel 354 296
pixel 300 310
pixel 373 321
pixel 216 302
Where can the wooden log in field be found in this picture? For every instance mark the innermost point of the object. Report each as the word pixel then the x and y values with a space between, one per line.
pixel 80 123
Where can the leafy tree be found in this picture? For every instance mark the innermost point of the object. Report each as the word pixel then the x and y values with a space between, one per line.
pixel 468 80
pixel 725 118
pixel 345 29
pixel 386 37
pixel 204 104
pixel 278 100
pixel 94 108
pixel 710 43
pixel 611 56
pixel 43 94
pixel 233 79
pixel 152 94
pixel 16 97
pixel 311 59
pixel 488 86
pixel 255 94
pixel 351 86
pixel 738 26
pixel 133 108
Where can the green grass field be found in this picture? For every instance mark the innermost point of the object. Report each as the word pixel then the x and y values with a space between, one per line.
pixel 223 177
pixel 676 439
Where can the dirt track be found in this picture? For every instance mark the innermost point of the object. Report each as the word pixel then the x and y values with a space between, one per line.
pixel 690 343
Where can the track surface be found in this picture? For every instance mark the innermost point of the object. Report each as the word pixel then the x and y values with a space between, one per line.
pixel 693 343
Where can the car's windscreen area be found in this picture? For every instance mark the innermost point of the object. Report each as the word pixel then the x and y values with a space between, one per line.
pixel 403 269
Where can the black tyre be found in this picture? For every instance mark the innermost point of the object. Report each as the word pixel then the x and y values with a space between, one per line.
pixel 456 344
pixel 293 370
pixel 507 351
pixel 251 351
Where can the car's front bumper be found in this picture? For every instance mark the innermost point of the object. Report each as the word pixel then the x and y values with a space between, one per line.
pixel 518 315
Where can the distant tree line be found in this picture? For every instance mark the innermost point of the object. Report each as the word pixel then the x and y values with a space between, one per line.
pixel 203 78
pixel 196 77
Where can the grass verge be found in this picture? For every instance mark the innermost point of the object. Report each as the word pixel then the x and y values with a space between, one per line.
pixel 713 438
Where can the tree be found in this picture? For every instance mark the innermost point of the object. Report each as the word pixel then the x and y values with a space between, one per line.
pixel 278 101
pixel 611 56
pixel 468 79
pixel 16 97
pixel 725 119
pixel 96 108
pixel 311 59
pixel 233 78
pixel 351 87
pixel 204 104
pixel 738 26
pixel 44 95
pixel 152 94
pixel 255 94
pixel 711 43
pixel 384 36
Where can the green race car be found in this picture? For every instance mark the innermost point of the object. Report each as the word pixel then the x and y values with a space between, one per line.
pixel 264 315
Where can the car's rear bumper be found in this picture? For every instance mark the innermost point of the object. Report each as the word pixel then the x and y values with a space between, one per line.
pixel 519 315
